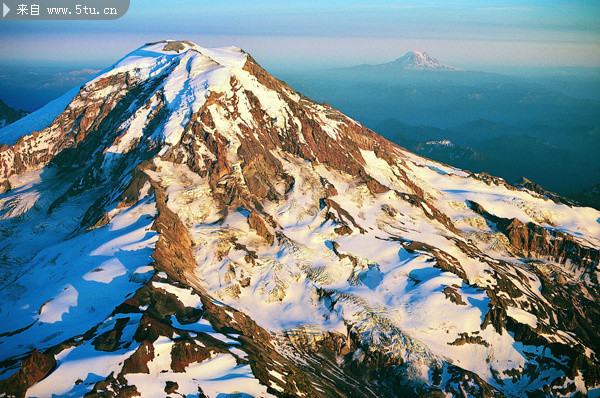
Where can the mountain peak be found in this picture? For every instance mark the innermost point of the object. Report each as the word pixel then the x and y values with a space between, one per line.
pixel 188 72
pixel 182 46
pixel 419 60
pixel 156 55
pixel 419 54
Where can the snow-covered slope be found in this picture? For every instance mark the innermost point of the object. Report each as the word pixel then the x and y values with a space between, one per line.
pixel 190 224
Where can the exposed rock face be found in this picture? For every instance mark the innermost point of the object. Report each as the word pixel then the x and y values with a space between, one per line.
pixel 112 387
pixel 537 188
pixel 138 362
pixel 92 117
pixel 185 352
pixel 466 339
pixel 207 230
pixel 536 241
pixel 257 224
pixel 171 387
pixel 173 251
pixel 110 340
pixel 33 369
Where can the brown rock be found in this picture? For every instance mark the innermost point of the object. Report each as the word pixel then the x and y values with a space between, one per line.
pixel 341 214
pixel 109 341
pixel 453 295
pixel 245 282
pixel 257 224
pixel 113 388
pixel 464 338
pixel 150 329
pixel 534 240
pixel 138 361
pixel 185 352
pixel 33 369
pixel 128 392
pixel 171 387
pixel 496 316
pixel 444 261
pixel 173 250
pixel 343 230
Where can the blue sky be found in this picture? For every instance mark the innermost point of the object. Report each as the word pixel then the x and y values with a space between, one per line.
pixel 324 33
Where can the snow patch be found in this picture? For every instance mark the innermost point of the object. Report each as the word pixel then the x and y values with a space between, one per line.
pixel 106 272
pixel 53 310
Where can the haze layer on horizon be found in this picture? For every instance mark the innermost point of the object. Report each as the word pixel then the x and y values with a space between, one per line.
pixel 288 34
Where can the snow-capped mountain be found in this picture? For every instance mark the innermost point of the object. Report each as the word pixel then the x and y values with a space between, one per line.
pixel 411 61
pixel 418 60
pixel 184 223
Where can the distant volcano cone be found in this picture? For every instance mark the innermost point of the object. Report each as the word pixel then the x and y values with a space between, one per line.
pixel 418 60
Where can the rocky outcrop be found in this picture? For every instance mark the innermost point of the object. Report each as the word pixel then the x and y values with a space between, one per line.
pixel 533 240
pixel 464 338
pixel 33 369
pixel 138 361
pixel 452 294
pixel 73 127
pixel 444 261
pixel 340 216
pixel 537 188
pixel 173 251
pixel 110 341
pixel 112 387
pixel 257 224
pixel 377 373
pixel 171 387
pixel 186 351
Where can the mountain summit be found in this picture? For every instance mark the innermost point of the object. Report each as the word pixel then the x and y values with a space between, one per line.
pixel 186 224
pixel 417 60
